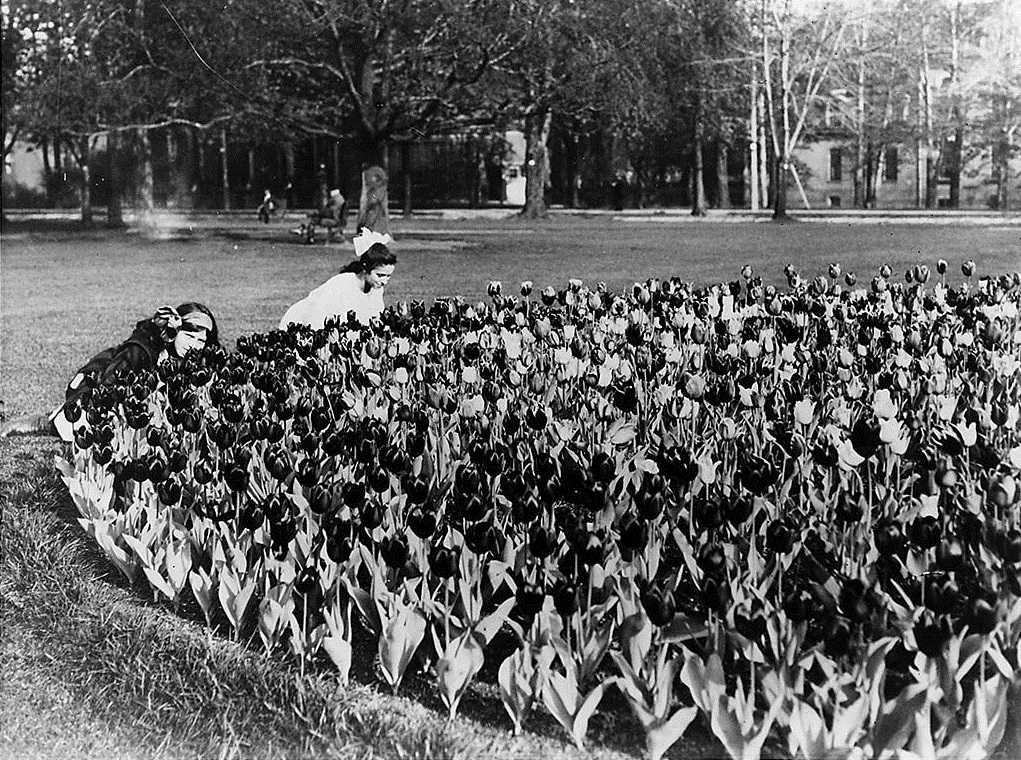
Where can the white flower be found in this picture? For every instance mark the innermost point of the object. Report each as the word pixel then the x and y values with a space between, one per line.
pixel 883 406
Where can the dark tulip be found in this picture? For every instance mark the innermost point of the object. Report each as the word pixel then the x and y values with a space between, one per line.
pixel 865 438
pixel 203 472
pixel 707 512
pixel 740 509
pixel 320 497
pixel 158 469
pixel 650 505
pixel 925 532
pixel 634 533
pixel 713 561
pixel 480 537
pixel 353 494
pixel 415 445
pixel 930 637
pixel 566 599
pixel 251 517
pixel 102 434
pixel 780 536
pixel 83 438
pixel 799 605
pixel 838 642
pixel 526 509
pixel 980 617
pixel 1010 546
pixel 73 410
pixel 277 464
pixel 716 595
pixel 339 548
pixel 371 516
pixel 592 552
pixel 603 467
pixel 659 605
pixel 888 536
pixel 102 455
pixel 169 492
pixel 417 490
pixel 443 562
pixel 542 542
pixel 177 461
pixel 529 599
pixel 333 444
pixel 849 511
pixel 237 479
pixel 395 551
pixel 950 555
pixel 825 454
pixel 378 479
pixel 306 579
pixel 422 522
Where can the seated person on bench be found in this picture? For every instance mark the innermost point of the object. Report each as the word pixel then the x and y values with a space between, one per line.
pixel 331 216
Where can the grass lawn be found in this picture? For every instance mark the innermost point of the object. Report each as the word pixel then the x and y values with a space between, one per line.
pixel 94 670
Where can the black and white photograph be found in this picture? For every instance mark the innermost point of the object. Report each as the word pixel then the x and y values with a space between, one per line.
pixel 510 379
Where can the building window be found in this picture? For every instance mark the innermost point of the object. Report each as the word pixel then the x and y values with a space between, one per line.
pixel 836 168
pixel 834 201
pixel 890 161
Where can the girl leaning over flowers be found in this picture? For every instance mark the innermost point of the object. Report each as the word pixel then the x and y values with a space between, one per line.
pixel 168 333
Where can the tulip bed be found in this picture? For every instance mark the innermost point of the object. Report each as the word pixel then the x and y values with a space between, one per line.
pixel 790 514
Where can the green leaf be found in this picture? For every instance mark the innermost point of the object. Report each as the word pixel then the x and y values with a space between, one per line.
pixel 659 738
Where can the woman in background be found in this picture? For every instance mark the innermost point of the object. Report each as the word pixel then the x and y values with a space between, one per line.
pixel 358 288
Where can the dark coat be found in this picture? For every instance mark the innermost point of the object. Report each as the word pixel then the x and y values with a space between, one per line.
pixel 139 353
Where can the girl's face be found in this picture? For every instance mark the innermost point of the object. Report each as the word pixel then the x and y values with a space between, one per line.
pixel 190 337
pixel 379 277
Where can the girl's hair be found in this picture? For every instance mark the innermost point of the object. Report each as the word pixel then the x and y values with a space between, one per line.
pixel 213 339
pixel 377 255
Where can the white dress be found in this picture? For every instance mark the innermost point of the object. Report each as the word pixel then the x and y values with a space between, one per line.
pixel 337 296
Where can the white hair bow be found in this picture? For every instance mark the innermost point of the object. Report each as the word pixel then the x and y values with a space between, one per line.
pixel 367 239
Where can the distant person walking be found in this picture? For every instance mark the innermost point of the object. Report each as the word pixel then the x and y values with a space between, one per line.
pixel 168 334
pixel 358 288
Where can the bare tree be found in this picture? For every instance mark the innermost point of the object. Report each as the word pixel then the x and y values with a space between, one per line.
pixel 798 52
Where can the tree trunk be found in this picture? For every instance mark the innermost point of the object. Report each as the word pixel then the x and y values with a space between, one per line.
pixel 86 182
pixel 1001 169
pixel 955 162
pixel 224 174
pixel 782 165
pixel 763 155
pixel 250 191
pixel 186 170
pixel 406 172
pixel 537 126
pixel 574 192
pixel 475 173
pixel 288 148
pixel 752 196
pixel 698 204
pixel 114 208
pixel 145 184
pixel 722 175
pixel 200 180
pixel 860 193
